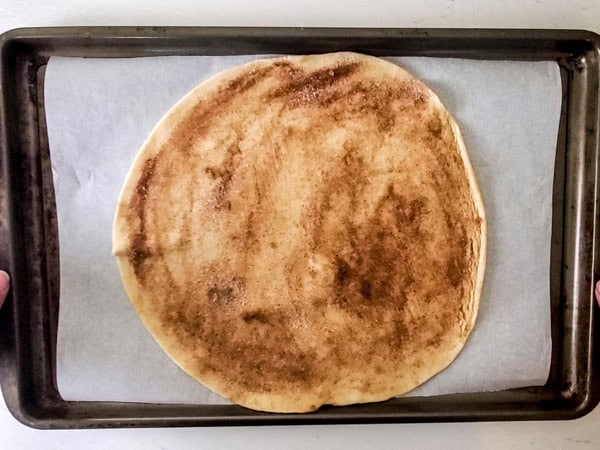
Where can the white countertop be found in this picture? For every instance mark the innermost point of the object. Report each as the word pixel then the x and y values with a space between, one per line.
pixel 579 14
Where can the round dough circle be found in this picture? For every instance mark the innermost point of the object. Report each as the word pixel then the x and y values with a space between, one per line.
pixel 305 230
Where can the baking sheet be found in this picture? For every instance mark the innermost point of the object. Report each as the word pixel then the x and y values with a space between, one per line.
pixel 99 111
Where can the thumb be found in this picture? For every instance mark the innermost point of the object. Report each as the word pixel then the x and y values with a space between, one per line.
pixel 4 285
pixel 597 292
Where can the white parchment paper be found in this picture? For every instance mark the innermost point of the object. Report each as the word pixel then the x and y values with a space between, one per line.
pixel 99 111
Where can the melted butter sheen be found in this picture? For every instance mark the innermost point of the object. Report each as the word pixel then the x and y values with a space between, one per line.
pixel 309 231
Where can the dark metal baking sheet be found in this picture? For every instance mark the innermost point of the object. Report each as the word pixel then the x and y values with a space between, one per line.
pixel 29 240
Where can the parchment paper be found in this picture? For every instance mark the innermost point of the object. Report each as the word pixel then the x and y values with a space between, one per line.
pixel 99 111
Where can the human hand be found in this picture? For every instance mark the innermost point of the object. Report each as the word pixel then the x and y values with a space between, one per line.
pixel 4 285
pixel 597 292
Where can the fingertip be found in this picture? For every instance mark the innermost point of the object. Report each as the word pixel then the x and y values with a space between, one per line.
pixel 4 281
pixel 4 285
